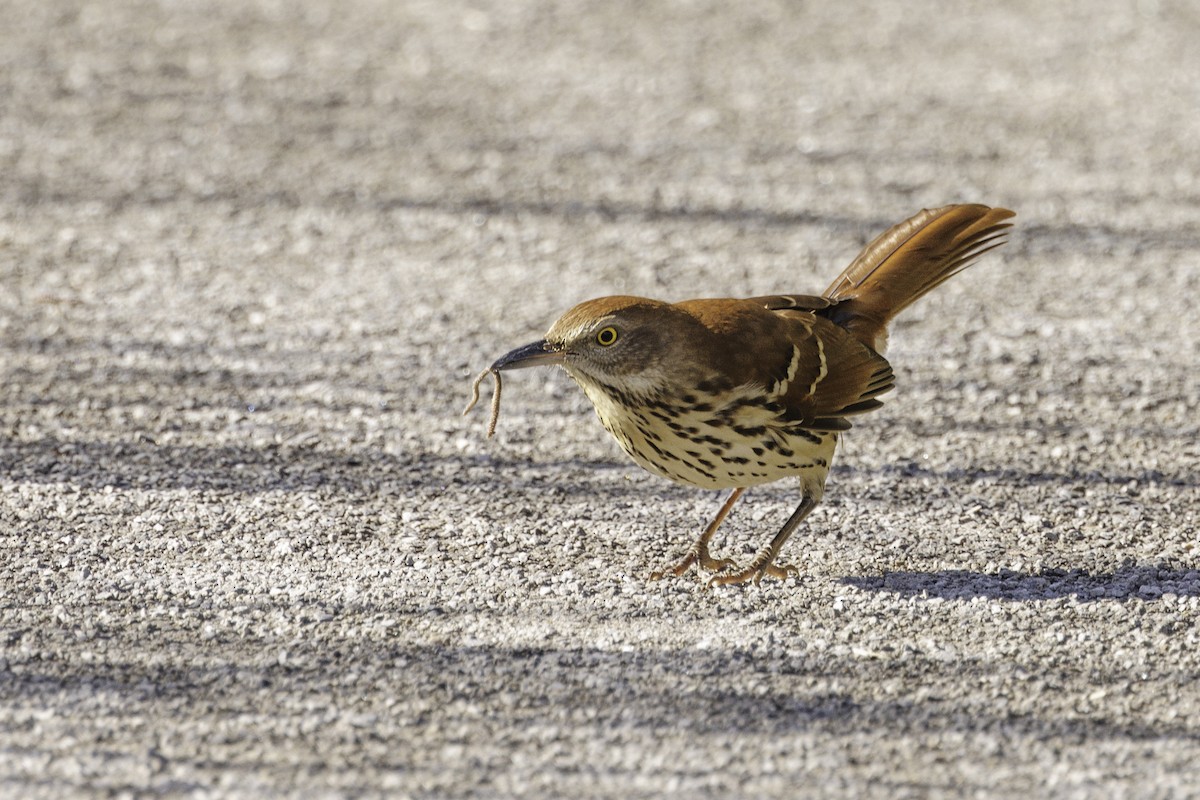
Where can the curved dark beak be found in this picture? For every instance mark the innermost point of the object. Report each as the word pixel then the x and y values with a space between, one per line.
pixel 535 354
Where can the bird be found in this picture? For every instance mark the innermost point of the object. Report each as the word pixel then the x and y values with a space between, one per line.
pixel 732 393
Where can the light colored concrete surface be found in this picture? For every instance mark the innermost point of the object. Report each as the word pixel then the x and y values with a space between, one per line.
pixel 251 254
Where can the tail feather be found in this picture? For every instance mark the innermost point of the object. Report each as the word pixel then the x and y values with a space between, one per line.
pixel 909 260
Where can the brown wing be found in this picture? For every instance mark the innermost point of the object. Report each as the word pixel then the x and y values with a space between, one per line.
pixel 829 375
pixel 819 372
pixel 782 302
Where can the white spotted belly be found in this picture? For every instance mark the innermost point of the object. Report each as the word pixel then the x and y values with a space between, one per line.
pixel 738 444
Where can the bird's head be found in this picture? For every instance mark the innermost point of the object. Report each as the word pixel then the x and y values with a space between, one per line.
pixel 631 344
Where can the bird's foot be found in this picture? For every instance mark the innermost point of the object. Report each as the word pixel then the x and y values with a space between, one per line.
pixel 759 568
pixel 697 555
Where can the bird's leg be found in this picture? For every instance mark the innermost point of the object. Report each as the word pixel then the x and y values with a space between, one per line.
pixel 698 553
pixel 764 563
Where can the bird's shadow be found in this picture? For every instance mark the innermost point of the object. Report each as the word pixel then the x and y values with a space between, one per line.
pixel 1129 582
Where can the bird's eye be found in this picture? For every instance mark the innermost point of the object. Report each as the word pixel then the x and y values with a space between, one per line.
pixel 607 336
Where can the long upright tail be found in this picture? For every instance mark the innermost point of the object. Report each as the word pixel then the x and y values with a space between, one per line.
pixel 908 260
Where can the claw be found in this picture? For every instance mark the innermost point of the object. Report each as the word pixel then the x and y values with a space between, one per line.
pixel 697 555
pixel 757 570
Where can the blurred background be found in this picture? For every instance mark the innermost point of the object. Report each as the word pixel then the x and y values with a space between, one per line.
pixel 251 254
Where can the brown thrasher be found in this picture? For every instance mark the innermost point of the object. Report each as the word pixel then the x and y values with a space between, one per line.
pixel 733 393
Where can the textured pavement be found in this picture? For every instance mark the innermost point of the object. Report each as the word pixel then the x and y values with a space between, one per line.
pixel 251 255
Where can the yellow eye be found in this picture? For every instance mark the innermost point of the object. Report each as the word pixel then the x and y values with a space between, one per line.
pixel 607 336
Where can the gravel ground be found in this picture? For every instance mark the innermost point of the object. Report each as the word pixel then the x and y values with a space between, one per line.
pixel 251 254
